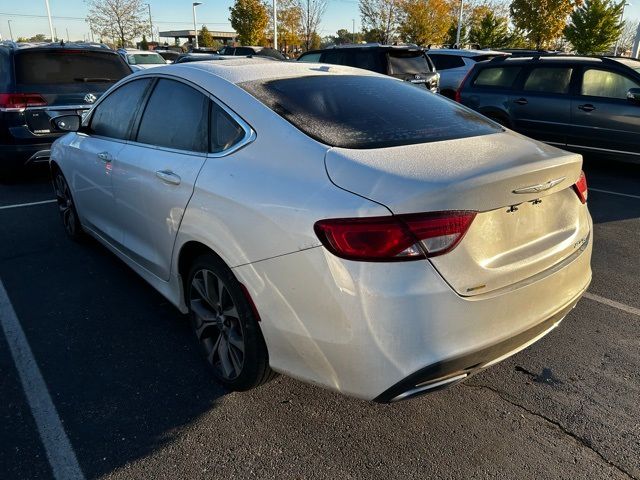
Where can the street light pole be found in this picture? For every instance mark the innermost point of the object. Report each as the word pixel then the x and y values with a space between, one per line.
pixel 615 51
pixel 150 21
pixel 49 16
pixel 353 29
pixel 459 24
pixel 195 26
pixel 275 25
pixel 10 32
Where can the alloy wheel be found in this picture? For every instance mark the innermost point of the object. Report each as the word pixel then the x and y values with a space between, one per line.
pixel 65 205
pixel 217 324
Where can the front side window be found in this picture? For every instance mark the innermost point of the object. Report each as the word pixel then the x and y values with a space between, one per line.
pixel 175 117
pixel 503 77
pixel 548 80
pixel 114 116
pixel 601 83
pixel 145 59
pixel 337 57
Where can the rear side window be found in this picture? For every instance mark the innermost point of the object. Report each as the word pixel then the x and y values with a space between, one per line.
pixel 407 62
pixel 354 111
pixel 68 66
pixel 446 62
pixel 549 80
pixel 311 57
pixel 225 131
pixel 601 83
pixel 244 51
pixel 497 77
pixel 114 116
pixel 338 57
pixel 176 116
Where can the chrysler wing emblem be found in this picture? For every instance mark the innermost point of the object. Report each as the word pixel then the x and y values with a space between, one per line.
pixel 89 98
pixel 541 187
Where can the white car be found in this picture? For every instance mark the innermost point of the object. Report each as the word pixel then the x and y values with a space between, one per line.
pixel 142 59
pixel 332 224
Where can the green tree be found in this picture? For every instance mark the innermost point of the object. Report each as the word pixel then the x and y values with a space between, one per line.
pixel 450 37
pixel 144 45
pixel 491 32
pixel 542 20
pixel 424 22
pixel 595 26
pixel 250 19
pixel 205 39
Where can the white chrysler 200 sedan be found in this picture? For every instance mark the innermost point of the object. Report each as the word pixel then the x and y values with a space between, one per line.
pixel 332 224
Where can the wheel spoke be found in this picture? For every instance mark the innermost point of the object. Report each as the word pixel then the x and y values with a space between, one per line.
pixel 204 319
pixel 223 354
pixel 235 340
pixel 237 364
pixel 221 289
pixel 200 288
pixel 214 350
pixel 230 311
pixel 66 217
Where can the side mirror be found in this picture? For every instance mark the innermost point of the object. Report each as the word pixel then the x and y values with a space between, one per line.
pixel 168 62
pixel 66 123
pixel 633 95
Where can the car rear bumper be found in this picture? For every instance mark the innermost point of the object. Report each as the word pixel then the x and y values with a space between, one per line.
pixel 13 157
pixel 377 330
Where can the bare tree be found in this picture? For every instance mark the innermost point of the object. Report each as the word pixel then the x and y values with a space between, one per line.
pixel 312 12
pixel 120 20
pixel 381 17
pixel 627 36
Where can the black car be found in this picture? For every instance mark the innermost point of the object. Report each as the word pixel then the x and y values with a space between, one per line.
pixel 197 57
pixel 41 81
pixel 586 104
pixel 405 62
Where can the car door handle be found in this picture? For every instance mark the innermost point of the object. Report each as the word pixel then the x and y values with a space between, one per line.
pixel 105 157
pixel 168 176
pixel 521 101
pixel 587 107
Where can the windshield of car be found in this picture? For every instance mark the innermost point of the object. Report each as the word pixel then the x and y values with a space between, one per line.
pixel 353 111
pixel 145 59
pixel 68 66
pixel 407 62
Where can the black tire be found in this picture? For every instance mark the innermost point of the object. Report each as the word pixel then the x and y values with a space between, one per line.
pixel 67 207
pixel 222 318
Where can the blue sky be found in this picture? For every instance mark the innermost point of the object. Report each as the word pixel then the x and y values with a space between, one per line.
pixel 167 14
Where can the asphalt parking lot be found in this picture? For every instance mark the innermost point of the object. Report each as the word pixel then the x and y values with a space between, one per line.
pixel 135 399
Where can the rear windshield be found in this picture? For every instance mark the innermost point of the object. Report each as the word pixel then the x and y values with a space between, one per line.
pixel 407 63
pixel 145 59
pixel 68 66
pixel 367 112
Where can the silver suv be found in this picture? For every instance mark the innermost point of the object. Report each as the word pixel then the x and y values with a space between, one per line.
pixel 453 65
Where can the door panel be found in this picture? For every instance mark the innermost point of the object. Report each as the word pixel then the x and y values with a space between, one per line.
pixel 541 109
pixel 91 161
pixel 152 188
pixel 601 115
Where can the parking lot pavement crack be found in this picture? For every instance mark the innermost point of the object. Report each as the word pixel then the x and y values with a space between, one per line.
pixel 582 441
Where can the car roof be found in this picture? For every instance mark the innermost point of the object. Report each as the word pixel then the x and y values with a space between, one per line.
pixel 563 58
pixel 465 52
pixel 246 69
pixel 56 46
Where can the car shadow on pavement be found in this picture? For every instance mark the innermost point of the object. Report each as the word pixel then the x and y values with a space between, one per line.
pixel 122 364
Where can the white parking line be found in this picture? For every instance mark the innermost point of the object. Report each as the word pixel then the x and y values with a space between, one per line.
pixel 62 458
pixel 614 193
pixel 613 303
pixel 18 205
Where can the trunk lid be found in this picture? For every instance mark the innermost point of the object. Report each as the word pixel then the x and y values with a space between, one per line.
pixel 530 220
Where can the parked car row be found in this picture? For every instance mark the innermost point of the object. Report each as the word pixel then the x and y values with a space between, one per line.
pixel 326 222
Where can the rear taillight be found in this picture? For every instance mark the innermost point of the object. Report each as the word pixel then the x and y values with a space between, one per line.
pixel 458 96
pixel 19 101
pixel 394 238
pixel 581 188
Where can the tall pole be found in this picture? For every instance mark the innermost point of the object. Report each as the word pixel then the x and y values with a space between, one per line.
pixel 10 32
pixel 353 29
pixel 459 24
pixel 275 24
pixel 615 51
pixel 636 44
pixel 195 25
pixel 50 22
pixel 68 39
pixel 151 22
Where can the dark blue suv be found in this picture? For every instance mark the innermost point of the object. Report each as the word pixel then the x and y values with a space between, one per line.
pixel 586 104
pixel 41 81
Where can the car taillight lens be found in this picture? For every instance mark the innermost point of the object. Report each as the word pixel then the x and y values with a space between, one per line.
pixel 581 188
pixel 20 101
pixel 394 238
